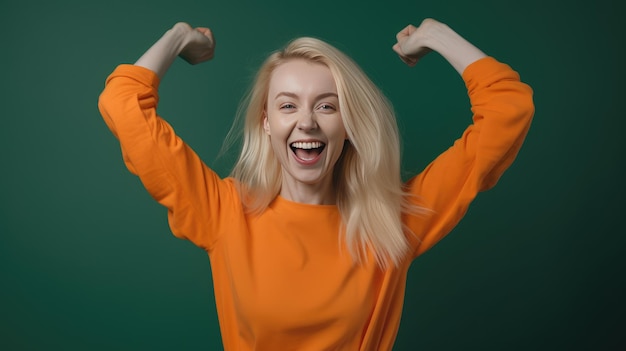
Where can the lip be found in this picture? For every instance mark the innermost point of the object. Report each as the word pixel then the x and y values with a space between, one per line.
pixel 300 161
pixel 306 162
pixel 309 140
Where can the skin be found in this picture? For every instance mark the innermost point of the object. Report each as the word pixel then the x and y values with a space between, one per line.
pixel 303 107
pixel 413 43
pixel 304 119
pixel 194 45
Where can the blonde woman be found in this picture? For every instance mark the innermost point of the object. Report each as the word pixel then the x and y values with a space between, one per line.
pixel 311 236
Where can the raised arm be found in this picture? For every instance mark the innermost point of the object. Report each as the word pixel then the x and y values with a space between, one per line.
pixel 193 45
pixel 502 110
pixel 415 42
pixel 169 169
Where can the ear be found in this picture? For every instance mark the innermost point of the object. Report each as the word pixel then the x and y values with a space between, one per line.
pixel 266 124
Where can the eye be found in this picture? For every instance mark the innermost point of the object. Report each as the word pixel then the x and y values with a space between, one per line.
pixel 287 106
pixel 326 107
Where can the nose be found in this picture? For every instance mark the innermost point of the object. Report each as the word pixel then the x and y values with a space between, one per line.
pixel 307 121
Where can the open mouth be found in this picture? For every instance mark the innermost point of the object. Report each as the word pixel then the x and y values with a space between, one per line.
pixel 307 150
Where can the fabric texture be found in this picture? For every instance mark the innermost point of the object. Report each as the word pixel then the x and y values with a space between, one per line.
pixel 282 279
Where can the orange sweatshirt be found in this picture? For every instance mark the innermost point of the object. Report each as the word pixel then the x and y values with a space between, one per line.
pixel 281 280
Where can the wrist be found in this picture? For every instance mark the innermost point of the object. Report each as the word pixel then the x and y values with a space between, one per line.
pixel 176 37
pixel 459 52
pixel 163 53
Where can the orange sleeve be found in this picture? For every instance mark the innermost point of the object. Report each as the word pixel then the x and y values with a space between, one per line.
pixel 502 109
pixel 169 169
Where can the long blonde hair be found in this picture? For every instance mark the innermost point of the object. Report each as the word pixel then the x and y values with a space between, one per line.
pixel 367 180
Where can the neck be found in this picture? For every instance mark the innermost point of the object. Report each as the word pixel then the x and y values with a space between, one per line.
pixel 312 194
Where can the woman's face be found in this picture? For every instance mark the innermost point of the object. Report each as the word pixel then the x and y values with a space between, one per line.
pixel 304 122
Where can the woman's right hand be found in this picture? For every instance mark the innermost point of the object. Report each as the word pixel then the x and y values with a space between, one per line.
pixel 412 42
pixel 198 45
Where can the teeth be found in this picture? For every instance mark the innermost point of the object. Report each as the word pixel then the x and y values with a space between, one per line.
pixel 307 145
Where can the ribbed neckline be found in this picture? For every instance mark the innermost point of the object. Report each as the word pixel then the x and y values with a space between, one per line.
pixel 281 204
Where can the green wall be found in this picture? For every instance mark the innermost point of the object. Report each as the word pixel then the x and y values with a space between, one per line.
pixel 87 261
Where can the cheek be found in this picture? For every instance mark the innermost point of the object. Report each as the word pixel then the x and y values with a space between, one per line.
pixel 278 127
pixel 279 133
pixel 338 137
pixel 338 130
pixel 341 128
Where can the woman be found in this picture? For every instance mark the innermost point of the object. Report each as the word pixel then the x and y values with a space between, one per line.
pixel 311 237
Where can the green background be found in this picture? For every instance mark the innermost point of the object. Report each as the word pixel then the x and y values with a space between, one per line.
pixel 87 261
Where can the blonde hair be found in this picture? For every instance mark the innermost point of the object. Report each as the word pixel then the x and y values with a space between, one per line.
pixel 367 180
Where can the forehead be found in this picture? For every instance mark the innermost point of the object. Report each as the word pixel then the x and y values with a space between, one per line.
pixel 301 77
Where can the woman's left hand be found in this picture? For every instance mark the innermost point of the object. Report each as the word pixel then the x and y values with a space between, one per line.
pixel 432 35
pixel 199 44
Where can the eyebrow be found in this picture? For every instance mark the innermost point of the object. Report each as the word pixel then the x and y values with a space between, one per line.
pixel 295 96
